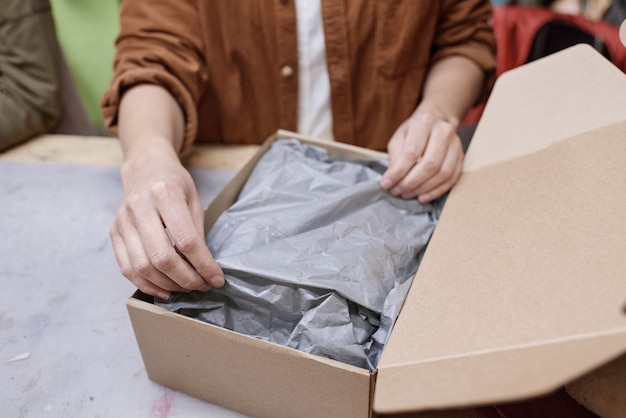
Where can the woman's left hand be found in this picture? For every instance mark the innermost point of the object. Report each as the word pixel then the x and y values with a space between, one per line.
pixel 425 158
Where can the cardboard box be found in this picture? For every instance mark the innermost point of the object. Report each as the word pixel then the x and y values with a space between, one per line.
pixel 521 291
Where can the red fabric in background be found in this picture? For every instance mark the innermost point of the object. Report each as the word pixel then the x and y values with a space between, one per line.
pixel 515 27
pixel 555 405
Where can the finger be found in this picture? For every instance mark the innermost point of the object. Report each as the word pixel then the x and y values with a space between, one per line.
pixel 395 144
pixel 439 190
pixel 162 257
pixel 197 213
pixel 121 256
pixel 441 185
pixel 215 274
pixel 150 251
pixel 452 158
pixel 429 165
pixel 188 237
pixel 405 149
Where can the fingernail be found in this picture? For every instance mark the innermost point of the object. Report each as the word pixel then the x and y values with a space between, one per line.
pixel 217 281
pixel 163 295
pixel 385 183
pixel 424 198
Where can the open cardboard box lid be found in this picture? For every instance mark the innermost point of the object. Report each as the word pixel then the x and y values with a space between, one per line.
pixel 523 286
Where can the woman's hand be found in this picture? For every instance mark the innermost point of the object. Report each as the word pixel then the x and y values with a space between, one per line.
pixel 425 158
pixel 159 194
pixel 425 152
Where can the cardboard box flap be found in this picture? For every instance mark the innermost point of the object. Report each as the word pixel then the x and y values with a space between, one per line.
pixel 523 284
pixel 482 378
pixel 564 94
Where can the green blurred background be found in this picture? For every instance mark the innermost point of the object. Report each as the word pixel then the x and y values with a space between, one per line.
pixel 86 30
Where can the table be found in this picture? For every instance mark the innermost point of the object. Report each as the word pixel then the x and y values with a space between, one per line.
pixel 67 348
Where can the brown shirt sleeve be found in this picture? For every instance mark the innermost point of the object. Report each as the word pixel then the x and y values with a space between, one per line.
pixel 159 43
pixel 464 28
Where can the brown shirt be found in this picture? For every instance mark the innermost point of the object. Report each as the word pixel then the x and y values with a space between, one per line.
pixel 232 65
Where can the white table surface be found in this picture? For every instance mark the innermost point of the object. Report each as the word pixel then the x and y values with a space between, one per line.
pixel 63 299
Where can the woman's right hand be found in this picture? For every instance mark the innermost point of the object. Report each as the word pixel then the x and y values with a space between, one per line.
pixel 159 193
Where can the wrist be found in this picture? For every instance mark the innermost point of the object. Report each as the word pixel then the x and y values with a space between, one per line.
pixel 141 155
pixel 138 147
pixel 437 113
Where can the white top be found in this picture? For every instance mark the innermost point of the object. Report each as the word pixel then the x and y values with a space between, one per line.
pixel 315 116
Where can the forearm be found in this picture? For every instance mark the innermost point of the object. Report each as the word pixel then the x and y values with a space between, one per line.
pixel 151 124
pixel 451 88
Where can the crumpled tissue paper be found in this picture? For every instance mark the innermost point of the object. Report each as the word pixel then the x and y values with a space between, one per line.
pixel 316 256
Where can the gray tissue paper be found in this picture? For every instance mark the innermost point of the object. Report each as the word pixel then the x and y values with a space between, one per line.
pixel 317 256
